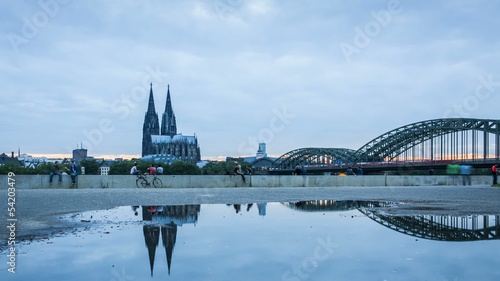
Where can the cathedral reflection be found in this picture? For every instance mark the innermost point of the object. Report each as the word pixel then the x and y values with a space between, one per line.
pixel 162 222
pixel 165 220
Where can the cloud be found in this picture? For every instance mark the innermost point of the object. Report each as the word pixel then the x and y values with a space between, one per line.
pixel 232 64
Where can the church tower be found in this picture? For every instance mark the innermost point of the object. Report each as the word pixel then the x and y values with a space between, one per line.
pixel 163 141
pixel 168 123
pixel 151 125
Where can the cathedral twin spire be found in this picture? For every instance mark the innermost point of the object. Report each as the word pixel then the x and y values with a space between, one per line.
pixel 151 104
pixel 151 122
pixel 168 123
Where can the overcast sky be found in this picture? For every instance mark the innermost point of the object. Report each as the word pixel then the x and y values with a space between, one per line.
pixel 293 74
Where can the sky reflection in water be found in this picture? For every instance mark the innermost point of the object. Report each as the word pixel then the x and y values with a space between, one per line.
pixel 331 240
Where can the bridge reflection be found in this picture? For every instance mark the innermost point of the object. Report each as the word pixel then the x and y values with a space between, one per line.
pixel 162 222
pixel 433 227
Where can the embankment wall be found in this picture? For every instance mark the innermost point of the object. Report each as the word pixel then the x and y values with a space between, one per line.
pixel 210 181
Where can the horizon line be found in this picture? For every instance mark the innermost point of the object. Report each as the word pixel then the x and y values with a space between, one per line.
pixel 114 156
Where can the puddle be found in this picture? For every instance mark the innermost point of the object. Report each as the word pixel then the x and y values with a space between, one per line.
pixel 307 240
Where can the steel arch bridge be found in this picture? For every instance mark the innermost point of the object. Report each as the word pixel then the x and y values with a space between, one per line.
pixel 313 156
pixel 447 139
pixel 437 139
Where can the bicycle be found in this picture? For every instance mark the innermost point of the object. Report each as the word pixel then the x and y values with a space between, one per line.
pixel 142 181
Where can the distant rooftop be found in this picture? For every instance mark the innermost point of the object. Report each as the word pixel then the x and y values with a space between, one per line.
pixel 160 158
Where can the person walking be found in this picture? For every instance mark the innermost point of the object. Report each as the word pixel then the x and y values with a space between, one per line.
pixel 465 171
pixel 494 172
pixel 453 170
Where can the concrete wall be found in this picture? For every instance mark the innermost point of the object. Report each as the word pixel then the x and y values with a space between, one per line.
pixel 173 181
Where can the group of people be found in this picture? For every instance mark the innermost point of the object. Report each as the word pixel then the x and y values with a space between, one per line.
pixel 350 171
pixel 452 169
pixel 237 171
pixel 152 170
pixel 56 170
pixel 465 172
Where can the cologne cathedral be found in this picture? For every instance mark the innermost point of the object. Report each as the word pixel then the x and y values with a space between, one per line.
pixel 165 141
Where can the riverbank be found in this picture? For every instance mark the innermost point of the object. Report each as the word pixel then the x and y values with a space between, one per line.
pixel 217 181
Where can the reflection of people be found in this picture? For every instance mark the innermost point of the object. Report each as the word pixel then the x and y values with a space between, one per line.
pixel 249 206
pixel 159 170
pixel 134 209
pixel 494 172
pixel 465 171
pixel 237 171
pixel 73 171
pixel 152 170
pixel 55 170
pixel 237 207
pixel 262 208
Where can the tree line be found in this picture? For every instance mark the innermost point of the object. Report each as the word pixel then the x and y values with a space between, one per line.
pixel 92 167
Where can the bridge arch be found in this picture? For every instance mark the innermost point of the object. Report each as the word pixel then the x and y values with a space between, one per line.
pixel 427 226
pixel 437 139
pixel 441 227
pixel 312 156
